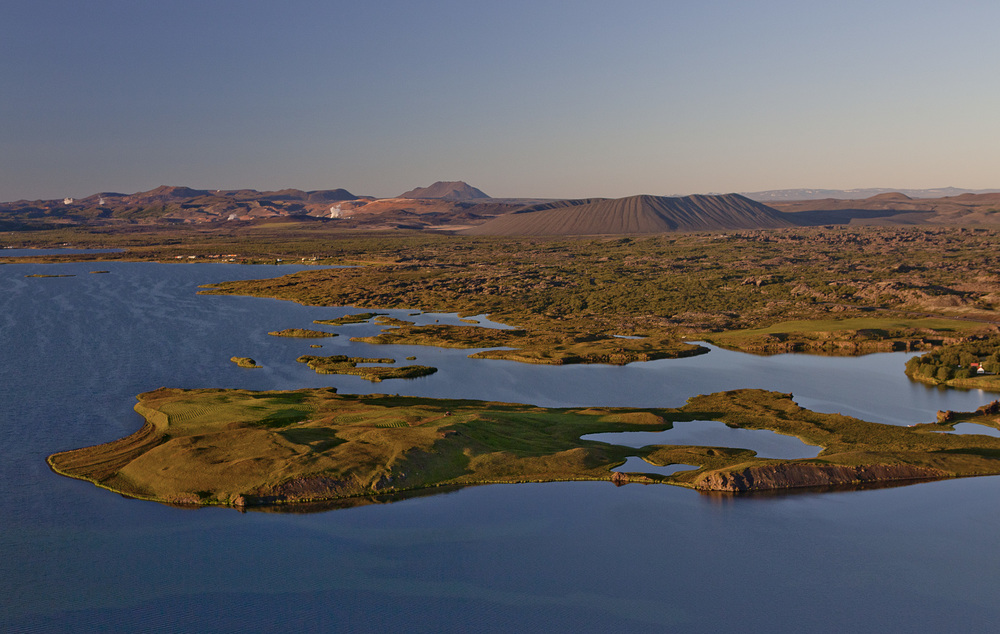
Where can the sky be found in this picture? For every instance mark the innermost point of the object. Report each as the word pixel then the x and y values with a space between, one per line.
pixel 537 98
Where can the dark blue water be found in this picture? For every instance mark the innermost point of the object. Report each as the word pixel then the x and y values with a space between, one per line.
pixel 581 557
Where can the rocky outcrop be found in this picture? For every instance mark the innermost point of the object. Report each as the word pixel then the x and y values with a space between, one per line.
pixel 990 409
pixel 793 475
pixel 619 478
pixel 298 490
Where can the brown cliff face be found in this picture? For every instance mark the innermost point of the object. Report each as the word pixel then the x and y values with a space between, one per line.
pixel 792 475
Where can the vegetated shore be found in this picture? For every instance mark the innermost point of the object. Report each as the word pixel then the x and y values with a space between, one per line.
pixel 970 364
pixel 251 449
pixel 829 290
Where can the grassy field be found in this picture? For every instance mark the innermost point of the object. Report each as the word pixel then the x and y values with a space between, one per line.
pixel 243 448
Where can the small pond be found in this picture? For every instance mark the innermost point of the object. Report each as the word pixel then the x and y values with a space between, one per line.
pixel 635 464
pixel 973 428
pixel 712 433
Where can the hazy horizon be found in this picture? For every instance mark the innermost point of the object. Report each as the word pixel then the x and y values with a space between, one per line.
pixel 525 99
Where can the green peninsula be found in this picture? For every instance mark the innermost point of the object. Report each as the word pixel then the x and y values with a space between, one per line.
pixel 245 449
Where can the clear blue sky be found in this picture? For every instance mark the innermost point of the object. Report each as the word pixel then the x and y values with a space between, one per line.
pixel 519 98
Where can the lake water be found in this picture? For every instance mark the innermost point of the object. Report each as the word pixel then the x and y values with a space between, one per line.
pixel 568 557
pixel 713 433
pixel 973 428
pixel 635 464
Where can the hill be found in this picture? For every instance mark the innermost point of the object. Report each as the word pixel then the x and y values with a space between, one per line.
pixel 447 190
pixel 637 214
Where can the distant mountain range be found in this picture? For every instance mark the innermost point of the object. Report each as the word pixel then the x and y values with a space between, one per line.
pixel 636 214
pixel 783 195
pixel 456 206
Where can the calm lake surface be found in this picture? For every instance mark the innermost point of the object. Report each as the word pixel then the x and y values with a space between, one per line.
pixel 573 557
pixel 713 433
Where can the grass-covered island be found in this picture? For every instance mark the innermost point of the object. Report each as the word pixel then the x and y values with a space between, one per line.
pixel 245 362
pixel 303 333
pixel 245 449
pixel 356 318
pixel 342 364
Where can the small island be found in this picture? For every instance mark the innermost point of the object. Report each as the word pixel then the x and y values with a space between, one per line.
pixel 356 318
pixel 342 364
pixel 245 362
pixel 303 333
pixel 246 449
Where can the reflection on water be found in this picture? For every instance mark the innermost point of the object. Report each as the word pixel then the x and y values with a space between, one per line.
pixel 712 433
pixel 736 497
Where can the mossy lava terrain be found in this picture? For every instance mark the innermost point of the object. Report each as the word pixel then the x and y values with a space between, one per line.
pixel 832 291
pixel 259 449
